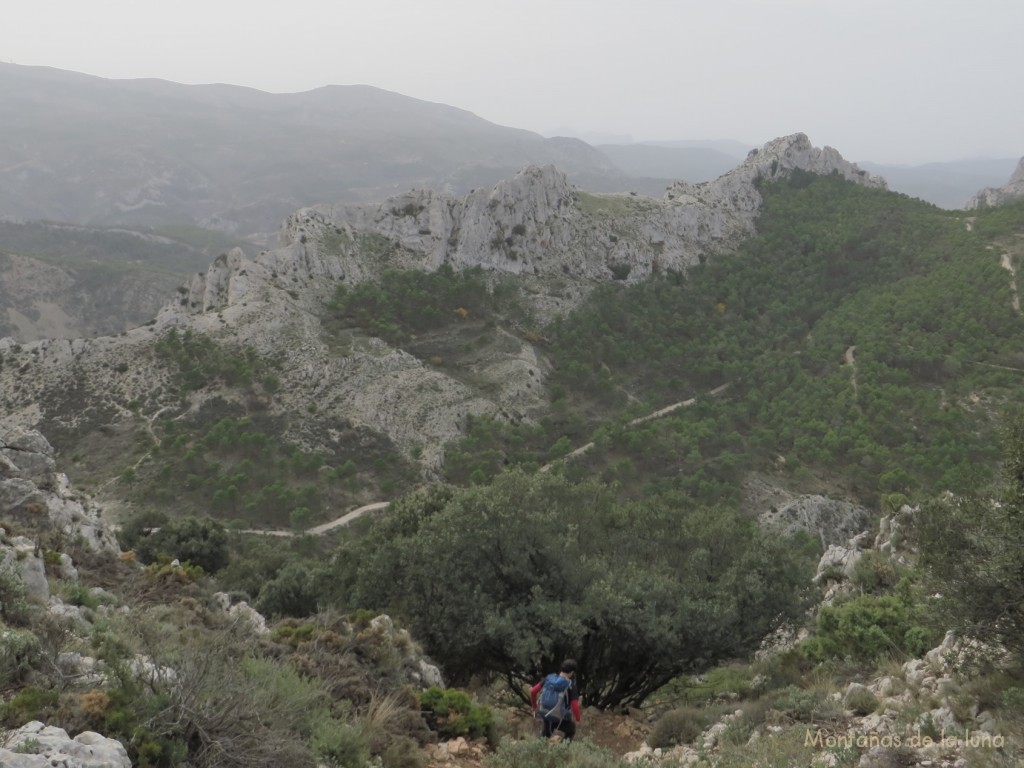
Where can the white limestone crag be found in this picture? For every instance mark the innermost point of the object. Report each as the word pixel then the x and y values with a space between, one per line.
pixel 831 521
pixel 44 746
pixel 33 493
pixel 990 197
pixel 534 225
pixel 558 242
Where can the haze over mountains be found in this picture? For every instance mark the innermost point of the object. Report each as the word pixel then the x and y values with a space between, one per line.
pixel 593 420
pixel 88 150
pixel 92 151
pixel 179 162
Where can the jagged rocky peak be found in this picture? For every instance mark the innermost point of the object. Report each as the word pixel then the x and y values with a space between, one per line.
pixel 536 225
pixel 775 160
pixel 994 196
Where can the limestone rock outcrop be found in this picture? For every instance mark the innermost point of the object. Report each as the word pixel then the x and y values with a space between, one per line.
pixel 831 521
pixel 36 745
pixel 557 241
pixel 35 495
pixel 991 197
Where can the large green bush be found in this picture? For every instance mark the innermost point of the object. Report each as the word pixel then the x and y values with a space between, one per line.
pixel 533 569
pixel 972 552
pixel 869 627
pixel 201 542
pixel 451 712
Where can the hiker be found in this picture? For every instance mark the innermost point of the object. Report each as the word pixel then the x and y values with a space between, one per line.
pixel 559 703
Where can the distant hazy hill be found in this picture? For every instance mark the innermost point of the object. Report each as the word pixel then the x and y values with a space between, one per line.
pixel 70 281
pixel 686 163
pixel 88 150
pixel 947 185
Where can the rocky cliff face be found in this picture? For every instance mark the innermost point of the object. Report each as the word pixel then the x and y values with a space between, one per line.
pixel 34 495
pixel 556 240
pixel 536 226
pixel 994 196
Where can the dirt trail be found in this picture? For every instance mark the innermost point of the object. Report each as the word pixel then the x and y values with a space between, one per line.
pixel 320 530
pixel 355 514
pixel 1006 261
pixel 638 420
pixel 620 734
pixel 850 361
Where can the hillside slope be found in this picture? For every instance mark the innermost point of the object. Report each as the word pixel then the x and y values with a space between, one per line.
pixel 555 241
pixel 70 281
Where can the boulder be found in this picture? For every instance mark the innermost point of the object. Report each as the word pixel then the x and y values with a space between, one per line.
pixel 36 745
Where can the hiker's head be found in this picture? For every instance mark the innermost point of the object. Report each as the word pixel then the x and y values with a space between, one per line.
pixel 568 667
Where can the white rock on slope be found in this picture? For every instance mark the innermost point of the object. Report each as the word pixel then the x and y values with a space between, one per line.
pixel 49 747
pixel 994 196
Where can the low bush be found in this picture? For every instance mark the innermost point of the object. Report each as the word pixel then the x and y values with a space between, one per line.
pixel 874 572
pixel 537 753
pixel 869 627
pixel 799 704
pixel 340 744
pixel 20 653
pixel 14 607
pixel 862 701
pixel 729 682
pixel 452 713
pixel 678 726
pixel 31 703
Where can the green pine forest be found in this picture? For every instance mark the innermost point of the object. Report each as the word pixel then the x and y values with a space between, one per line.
pixel 921 302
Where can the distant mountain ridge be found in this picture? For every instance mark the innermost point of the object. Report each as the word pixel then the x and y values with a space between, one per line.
pixel 87 150
pixel 947 185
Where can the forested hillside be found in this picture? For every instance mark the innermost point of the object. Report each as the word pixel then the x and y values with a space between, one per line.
pixel 870 343
pixel 862 345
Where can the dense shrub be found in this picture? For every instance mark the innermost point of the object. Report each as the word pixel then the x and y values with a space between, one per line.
pixel 30 703
pixel 201 542
pixel 20 653
pixel 800 704
pixel 678 726
pixel 637 593
pixel 862 701
pixel 874 572
pixel 451 712
pixel 14 607
pixel 869 627
pixel 294 591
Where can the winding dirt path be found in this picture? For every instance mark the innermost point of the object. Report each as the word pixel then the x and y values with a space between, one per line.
pixel 355 514
pixel 1006 261
pixel 850 361
pixel 320 530
pixel 661 413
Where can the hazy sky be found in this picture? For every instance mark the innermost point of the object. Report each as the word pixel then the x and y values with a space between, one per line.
pixel 906 81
